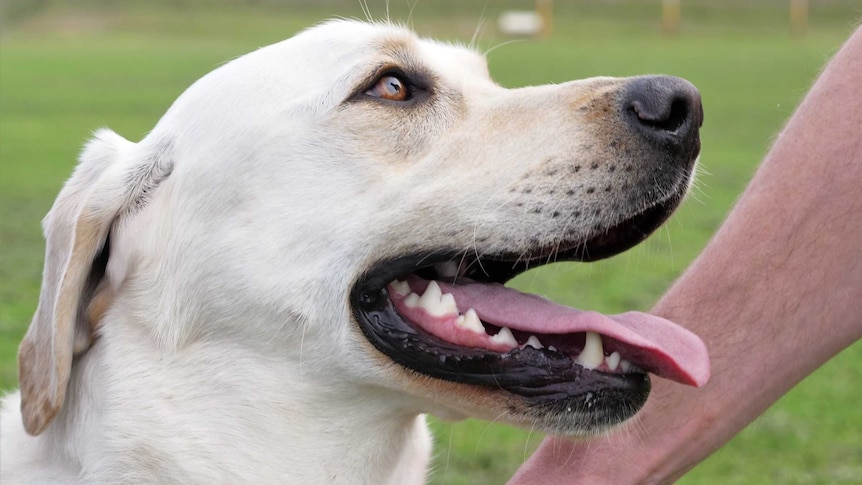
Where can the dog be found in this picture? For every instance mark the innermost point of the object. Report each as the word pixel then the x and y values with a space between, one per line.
pixel 307 254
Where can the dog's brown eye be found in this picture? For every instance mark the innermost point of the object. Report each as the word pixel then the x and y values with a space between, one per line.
pixel 390 87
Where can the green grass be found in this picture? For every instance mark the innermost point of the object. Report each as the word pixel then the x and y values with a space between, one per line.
pixel 64 73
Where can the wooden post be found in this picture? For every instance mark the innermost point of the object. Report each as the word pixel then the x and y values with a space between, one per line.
pixel 670 15
pixel 798 17
pixel 545 9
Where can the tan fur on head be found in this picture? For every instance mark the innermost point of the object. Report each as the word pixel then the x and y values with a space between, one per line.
pixel 75 231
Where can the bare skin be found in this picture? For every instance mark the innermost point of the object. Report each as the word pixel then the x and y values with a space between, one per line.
pixel 777 289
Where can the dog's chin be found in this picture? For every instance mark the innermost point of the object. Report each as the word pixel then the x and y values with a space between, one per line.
pixel 554 366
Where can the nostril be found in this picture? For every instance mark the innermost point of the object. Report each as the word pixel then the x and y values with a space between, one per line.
pixel 670 119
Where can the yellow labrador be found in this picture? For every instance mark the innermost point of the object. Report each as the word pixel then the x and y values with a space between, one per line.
pixel 308 251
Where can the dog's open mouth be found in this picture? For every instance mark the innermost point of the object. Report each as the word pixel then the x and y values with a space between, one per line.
pixel 448 316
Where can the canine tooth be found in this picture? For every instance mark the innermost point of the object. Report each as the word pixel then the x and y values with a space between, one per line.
pixel 613 360
pixel 447 269
pixel 593 354
pixel 504 336
pixel 625 365
pixel 552 348
pixel 411 300
pixel 533 341
pixel 400 287
pixel 471 321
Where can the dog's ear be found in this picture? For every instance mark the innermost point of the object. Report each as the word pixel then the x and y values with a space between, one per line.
pixel 103 187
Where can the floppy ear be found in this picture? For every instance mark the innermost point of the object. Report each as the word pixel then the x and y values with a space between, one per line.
pixel 76 229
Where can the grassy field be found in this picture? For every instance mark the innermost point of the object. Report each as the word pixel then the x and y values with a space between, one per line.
pixel 64 73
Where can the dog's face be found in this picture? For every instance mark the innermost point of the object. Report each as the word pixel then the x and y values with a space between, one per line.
pixel 324 195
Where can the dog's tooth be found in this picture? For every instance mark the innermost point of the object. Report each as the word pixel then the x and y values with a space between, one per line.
pixel 552 348
pixel 400 287
pixel 533 341
pixel 436 303
pixel 432 293
pixel 504 336
pixel 411 300
pixel 625 365
pixel 593 353
pixel 471 321
pixel 447 269
pixel 431 300
pixel 613 360
pixel 447 303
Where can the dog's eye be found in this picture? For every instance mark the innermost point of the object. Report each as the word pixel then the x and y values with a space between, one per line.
pixel 390 87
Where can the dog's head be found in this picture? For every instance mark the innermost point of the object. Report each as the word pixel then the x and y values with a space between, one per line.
pixel 350 201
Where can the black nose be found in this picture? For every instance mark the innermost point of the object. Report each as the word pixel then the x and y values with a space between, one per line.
pixel 664 109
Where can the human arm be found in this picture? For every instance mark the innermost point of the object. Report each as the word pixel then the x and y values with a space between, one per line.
pixel 776 293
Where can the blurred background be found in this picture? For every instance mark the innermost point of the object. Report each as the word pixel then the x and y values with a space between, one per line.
pixel 68 67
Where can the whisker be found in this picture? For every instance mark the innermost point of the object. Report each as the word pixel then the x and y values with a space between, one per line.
pixel 477 32
pixel 502 44
pixel 363 4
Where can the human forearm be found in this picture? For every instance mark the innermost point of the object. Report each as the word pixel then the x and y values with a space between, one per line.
pixel 774 295
pixel 778 292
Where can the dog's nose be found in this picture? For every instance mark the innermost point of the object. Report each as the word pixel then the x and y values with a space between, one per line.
pixel 664 109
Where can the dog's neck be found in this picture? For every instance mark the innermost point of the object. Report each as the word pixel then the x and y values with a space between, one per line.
pixel 202 415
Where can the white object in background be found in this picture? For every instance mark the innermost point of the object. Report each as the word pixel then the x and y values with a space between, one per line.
pixel 520 22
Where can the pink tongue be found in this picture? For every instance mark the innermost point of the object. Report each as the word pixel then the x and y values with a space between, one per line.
pixel 652 343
